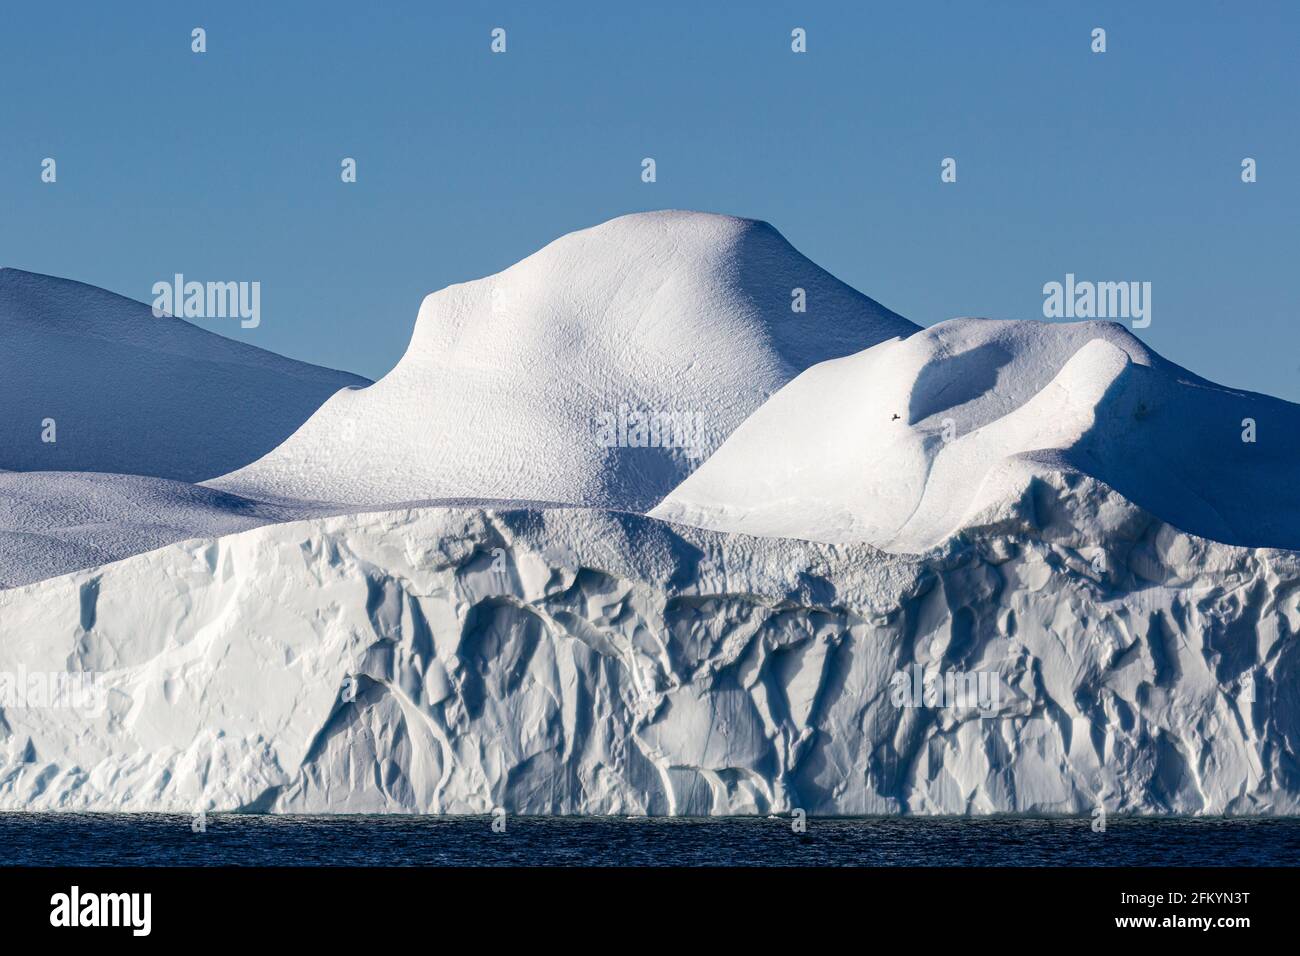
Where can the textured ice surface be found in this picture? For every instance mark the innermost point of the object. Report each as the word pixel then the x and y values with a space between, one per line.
pixel 684 316
pixel 574 661
pixel 135 394
pixel 905 444
pixel 55 522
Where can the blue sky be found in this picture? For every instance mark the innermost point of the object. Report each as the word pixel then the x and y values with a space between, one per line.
pixel 1119 166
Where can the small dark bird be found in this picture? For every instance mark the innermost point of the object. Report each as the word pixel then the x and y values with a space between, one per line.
pixel 895 418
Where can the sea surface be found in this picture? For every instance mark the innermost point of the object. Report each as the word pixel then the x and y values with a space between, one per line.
pixel 75 839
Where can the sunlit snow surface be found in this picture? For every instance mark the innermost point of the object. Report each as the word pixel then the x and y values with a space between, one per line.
pixel 501 388
pixel 908 443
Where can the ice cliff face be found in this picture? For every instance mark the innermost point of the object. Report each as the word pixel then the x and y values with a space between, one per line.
pixel 575 661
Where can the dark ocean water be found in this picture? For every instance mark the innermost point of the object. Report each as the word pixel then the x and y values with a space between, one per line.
pixel 240 839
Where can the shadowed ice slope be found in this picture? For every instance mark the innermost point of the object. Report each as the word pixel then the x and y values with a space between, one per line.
pixel 906 444
pixel 55 522
pixel 134 394
pixel 502 392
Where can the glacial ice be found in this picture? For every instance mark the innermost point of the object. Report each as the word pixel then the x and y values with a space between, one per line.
pixel 582 661
pixel 1052 511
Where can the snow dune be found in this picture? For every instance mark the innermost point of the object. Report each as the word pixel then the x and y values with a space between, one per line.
pixel 133 394
pixel 507 380
pixel 907 444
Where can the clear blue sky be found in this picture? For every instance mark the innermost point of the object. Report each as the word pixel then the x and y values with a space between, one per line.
pixel 225 166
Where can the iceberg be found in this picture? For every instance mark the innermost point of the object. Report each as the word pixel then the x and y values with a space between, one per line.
pixel 988 566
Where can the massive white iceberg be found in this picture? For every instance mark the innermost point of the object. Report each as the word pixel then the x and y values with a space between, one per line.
pixel 989 566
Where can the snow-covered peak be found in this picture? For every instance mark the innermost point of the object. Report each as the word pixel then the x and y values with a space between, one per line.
pixel 598 371
pixel 976 422
pixel 92 381
pixel 655 282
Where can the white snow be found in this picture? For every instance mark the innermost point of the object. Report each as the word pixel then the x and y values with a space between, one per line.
pixel 906 444
pixel 501 391
pixel 135 394
pixel 55 522
pixel 52 523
